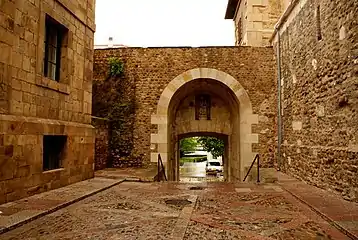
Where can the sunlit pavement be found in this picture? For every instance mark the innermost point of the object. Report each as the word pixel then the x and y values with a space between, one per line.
pixel 133 210
pixel 195 172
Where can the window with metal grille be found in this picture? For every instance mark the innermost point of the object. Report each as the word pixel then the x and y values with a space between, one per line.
pixel 53 151
pixel 54 36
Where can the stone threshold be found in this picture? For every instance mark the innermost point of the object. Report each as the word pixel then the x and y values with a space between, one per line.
pixel 17 213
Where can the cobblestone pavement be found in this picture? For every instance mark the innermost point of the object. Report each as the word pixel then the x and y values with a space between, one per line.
pixel 182 211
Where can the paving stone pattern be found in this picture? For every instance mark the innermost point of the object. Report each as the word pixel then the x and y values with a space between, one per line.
pixel 135 210
pixel 13 214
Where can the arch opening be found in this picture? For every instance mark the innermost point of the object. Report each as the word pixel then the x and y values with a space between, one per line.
pixel 204 102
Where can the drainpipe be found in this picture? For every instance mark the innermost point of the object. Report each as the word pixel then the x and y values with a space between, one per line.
pixel 279 117
pixel 278 26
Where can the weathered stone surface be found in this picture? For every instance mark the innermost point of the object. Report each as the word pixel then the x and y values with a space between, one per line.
pixel 101 143
pixel 148 71
pixel 255 20
pixel 32 106
pixel 320 90
pixel 173 211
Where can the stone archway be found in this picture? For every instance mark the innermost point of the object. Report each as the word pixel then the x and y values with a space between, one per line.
pixel 242 154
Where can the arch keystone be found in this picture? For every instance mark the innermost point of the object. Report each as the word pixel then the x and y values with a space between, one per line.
pixel 204 72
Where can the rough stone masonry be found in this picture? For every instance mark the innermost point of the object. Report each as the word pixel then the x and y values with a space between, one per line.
pixel 148 71
pixel 319 87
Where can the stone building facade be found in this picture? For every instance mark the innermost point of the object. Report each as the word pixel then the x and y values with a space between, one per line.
pixel 165 82
pixel 46 137
pixel 316 45
pixel 255 20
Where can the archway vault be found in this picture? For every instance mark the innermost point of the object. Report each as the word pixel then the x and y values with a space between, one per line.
pixel 159 141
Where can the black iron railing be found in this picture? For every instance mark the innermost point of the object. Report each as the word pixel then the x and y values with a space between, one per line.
pixel 161 169
pixel 257 157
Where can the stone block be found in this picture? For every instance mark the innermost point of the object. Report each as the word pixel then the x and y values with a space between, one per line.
pixel 158 138
pixel 159 119
pixel 296 125
pixel 22 172
pixel 6 53
pixel 7 168
pixel 15 195
pixel 195 73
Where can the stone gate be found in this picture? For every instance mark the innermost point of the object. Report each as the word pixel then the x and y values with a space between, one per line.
pixel 238 84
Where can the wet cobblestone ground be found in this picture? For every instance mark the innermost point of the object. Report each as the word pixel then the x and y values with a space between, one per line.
pixel 173 211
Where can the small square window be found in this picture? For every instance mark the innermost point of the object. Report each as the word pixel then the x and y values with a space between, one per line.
pixel 53 151
pixel 54 42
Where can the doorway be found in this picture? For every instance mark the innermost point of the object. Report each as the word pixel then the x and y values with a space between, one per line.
pixel 202 157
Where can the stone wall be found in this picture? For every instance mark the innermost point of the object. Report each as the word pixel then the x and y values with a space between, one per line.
pixel 32 105
pixel 101 157
pixel 320 94
pixel 114 99
pixel 151 69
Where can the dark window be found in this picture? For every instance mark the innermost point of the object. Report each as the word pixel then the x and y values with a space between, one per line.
pixel 216 164
pixel 54 40
pixel 318 22
pixel 53 151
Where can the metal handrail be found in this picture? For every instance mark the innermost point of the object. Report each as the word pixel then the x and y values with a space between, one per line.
pixel 258 168
pixel 161 167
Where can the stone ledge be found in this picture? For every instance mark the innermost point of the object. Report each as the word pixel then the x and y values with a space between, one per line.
pixel 16 118
pixel 52 84
pixel 54 171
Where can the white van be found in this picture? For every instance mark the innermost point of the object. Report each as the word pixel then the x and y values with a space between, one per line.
pixel 214 166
